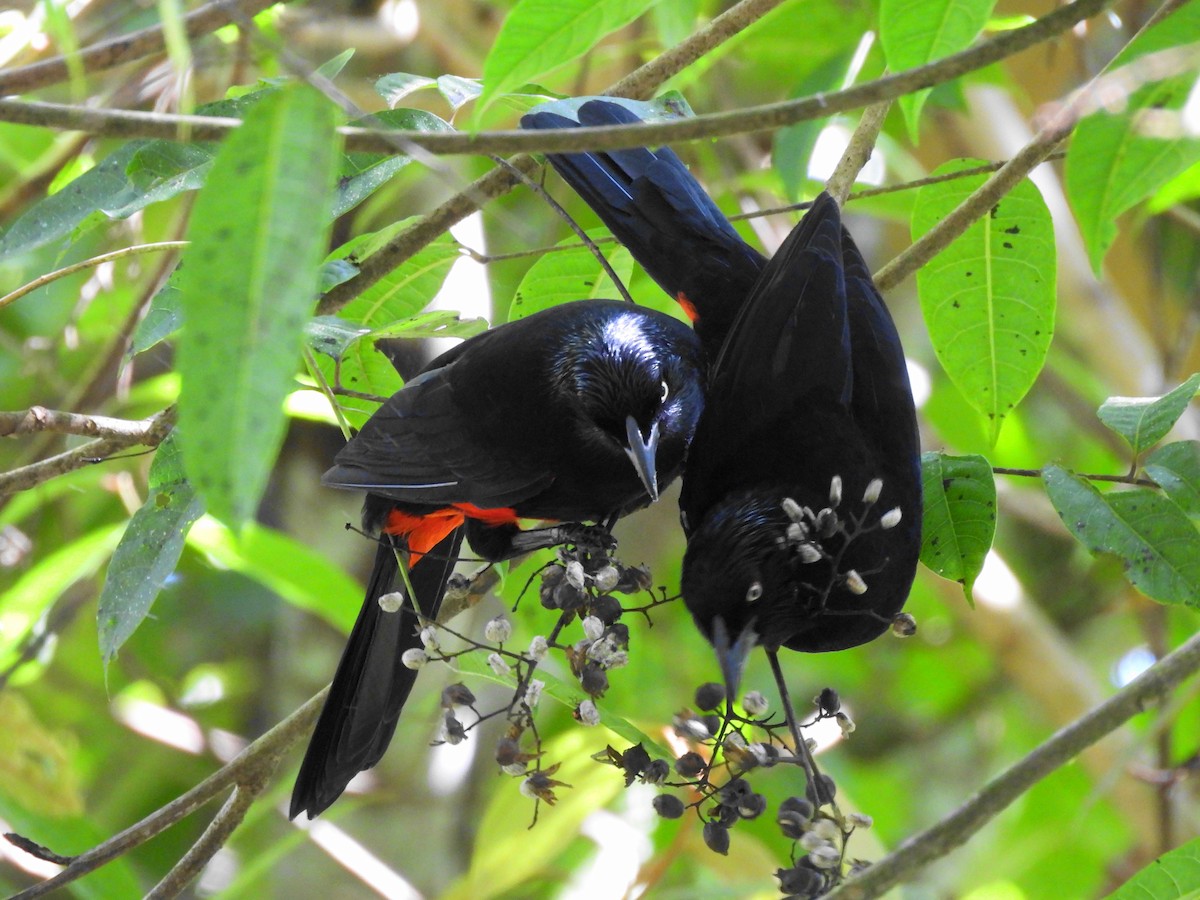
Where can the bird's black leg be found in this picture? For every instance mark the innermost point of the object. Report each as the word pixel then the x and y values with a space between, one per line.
pixel 506 541
pixel 805 755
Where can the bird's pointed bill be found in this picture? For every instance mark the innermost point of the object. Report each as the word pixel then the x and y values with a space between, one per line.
pixel 641 453
pixel 732 655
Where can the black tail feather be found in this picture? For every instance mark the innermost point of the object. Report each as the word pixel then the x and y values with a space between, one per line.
pixel 371 684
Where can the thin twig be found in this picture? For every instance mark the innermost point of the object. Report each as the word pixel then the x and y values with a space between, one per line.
pixel 1116 479
pixel 38 418
pixel 955 829
pixel 215 836
pixel 91 263
pixel 858 151
pixel 259 757
pixel 126 48
pixel 151 433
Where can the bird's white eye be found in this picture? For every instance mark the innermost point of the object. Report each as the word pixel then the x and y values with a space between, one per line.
pixel 665 392
pixel 754 591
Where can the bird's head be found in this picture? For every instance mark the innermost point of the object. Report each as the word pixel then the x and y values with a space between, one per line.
pixel 642 388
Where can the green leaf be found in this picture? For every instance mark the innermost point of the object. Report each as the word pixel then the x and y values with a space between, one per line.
pixel 361 174
pixel 303 578
pixel 539 36
pixel 1158 544
pixel 1118 159
pixel 149 550
pixel 566 275
pixel 988 299
pixel 395 87
pixel 793 145
pixel 916 32
pixel 1144 421
pixel 248 281
pixel 960 516
pixel 35 766
pixel 1173 876
pixel 434 323
pixel 458 91
pixel 1176 469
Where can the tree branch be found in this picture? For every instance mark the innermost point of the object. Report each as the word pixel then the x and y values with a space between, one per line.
pixel 116 435
pixel 253 764
pixel 957 828
pixel 126 48
pixel 858 152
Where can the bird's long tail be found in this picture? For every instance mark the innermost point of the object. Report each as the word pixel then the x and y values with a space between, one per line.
pixel 371 684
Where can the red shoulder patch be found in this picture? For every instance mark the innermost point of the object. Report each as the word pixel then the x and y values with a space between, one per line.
pixel 689 308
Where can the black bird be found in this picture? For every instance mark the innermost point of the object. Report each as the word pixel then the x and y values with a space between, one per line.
pixel 578 413
pixel 807 448
pixel 653 205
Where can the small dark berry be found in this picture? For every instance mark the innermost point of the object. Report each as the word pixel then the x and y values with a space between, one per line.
pixel 457 695
pixel 634 579
pixel 904 625
pixel 690 765
pixel 668 806
pixel 732 792
pixel 634 762
pixel 725 815
pixel 606 608
pixel 829 702
pixel 802 881
pixel 716 837
pixel 791 823
pixel 567 596
pixel 712 723
pixel 618 635
pixel 656 772
pixel 594 680
pixel 800 806
pixel 508 751
pixel 752 806
pixel 552 575
pixel 823 791
pixel 710 695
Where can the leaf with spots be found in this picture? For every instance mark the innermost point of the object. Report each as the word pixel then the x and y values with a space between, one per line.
pixel 989 297
pixel 1157 544
pixel 1173 876
pixel 1176 469
pixel 571 274
pixel 247 283
pixel 960 516
pixel 1144 421
pixel 149 550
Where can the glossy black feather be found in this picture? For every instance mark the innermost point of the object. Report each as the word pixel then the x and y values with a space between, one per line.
pixel 811 384
pixel 530 417
pixel 653 205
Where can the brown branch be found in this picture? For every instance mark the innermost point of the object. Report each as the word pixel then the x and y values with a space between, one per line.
pixel 123 49
pixel 767 117
pixel 858 152
pixel 955 829
pixel 256 762
pixel 117 435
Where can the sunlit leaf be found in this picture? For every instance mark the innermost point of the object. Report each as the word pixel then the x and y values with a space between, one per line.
pixel 1120 156
pixel 395 87
pixel 960 516
pixel 989 298
pixel 539 36
pixel 248 281
pixel 1158 545
pixel 149 550
pixel 566 275
pixel 793 145
pixel 1173 876
pixel 1144 421
pixel 35 765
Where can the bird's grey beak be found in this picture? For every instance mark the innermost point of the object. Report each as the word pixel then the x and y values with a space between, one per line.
pixel 732 656
pixel 641 453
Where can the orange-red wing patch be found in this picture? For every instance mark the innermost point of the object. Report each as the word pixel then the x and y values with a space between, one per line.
pixel 689 308
pixel 492 517
pixel 422 532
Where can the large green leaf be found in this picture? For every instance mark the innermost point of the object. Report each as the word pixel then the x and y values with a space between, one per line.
pixel 960 516
pixel 1144 421
pixel 1173 876
pixel 792 146
pixel 539 36
pixel 566 275
pixel 988 298
pixel 1158 545
pixel 362 174
pixel 916 32
pixel 148 551
pixel 248 281
pixel 1119 158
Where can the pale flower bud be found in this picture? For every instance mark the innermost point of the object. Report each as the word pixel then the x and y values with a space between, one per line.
pixel 392 602
pixel 890 519
pixel 498 630
pixel 414 658
pixel 587 713
pixel 538 648
pixel 874 488
pixel 835 490
pixel 593 627
pixel 498 664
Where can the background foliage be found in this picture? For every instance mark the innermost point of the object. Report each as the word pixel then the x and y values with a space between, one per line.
pixel 105 717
